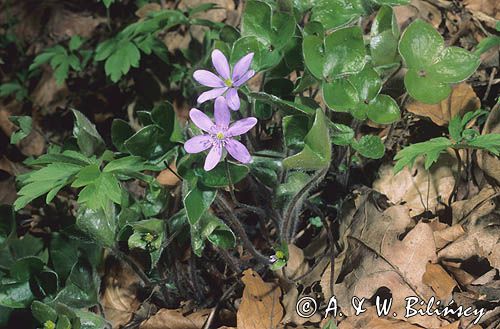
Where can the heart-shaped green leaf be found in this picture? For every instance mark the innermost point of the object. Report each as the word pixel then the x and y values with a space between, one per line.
pixel 431 66
pixel 273 29
pixel 340 53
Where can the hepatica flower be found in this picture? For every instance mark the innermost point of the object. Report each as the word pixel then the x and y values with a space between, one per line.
pixel 226 82
pixel 219 135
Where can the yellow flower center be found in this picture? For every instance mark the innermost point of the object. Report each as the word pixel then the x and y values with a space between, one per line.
pixel 149 237
pixel 280 254
pixel 228 82
pixel 220 135
pixel 49 325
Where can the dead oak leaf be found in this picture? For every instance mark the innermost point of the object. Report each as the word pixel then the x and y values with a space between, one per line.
pixel 461 100
pixel 260 305
pixel 378 256
pixel 421 190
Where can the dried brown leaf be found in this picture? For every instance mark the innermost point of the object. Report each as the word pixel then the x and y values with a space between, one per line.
pixel 440 281
pixel 167 177
pixel 119 299
pixel 380 255
pixel 490 164
pixel 448 235
pixel 175 319
pixel 369 319
pixel 420 189
pixel 260 306
pixel 461 100
pixel 480 240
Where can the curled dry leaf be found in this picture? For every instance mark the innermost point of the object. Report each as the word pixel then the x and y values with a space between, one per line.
pixel 260 305
pixel 439 281
pixel 119 299
pixel 175 319
pixel 481 240
pixel 461 100
pixel 418 188
pixel 449 234
pixel 489 163
pixel 478 206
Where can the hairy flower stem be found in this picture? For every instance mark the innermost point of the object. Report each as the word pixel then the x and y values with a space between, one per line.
pixel 290 216
pixel 236 226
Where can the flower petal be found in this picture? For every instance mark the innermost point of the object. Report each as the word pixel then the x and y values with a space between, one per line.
pixel 242 66
pixel 241 126
pixel 198 144
pixel 200 119
pixel 247 76
pixel 211 94
pixel 207 78
pixel 220 63
pixel 221 112
pixel 213 157
pixel 233 100
pixel 238 151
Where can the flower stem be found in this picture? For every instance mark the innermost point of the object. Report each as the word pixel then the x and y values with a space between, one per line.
pixel 235 225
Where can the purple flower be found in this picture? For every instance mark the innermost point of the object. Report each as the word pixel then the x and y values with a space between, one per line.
pixel 225 82
pixel 219 135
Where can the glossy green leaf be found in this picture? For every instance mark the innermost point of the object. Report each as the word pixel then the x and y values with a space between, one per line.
pixel 424 88
pixel 197 201
pixel 120 132
pixel 295 128
pixel 42 312
pixel 63 254
pixel 211 228
pixel 383 110
pixel 89 140
pixel 271 28
pixel 431 66
pixel 370 146
pixel 384 37
pixel 14 294
pixel 420 45
pixel 82 287
pixel 336 13
pixel 341 134
pixel 317 150
pixel 89 320
pixel 99 225
pixel 217 177
pixel 24 268
pixel 340 53
pixel 144 142
pixel 454 64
